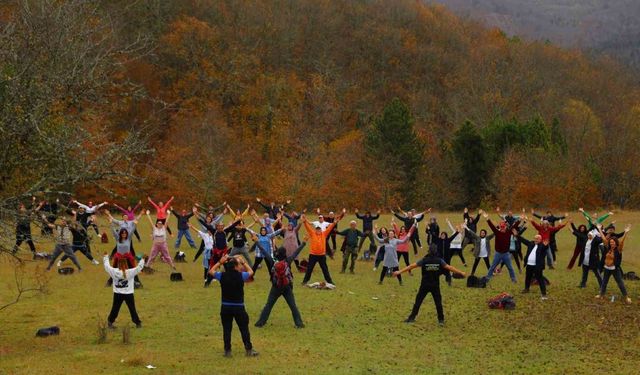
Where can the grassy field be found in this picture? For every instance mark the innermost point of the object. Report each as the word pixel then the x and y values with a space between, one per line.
pixel 348 331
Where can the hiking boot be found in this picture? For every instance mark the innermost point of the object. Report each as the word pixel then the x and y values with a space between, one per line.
pixel 598 296
pixel 95 262
pixel 300 326
pixel 111 325
pixel 544 298
pixel 551 267
pixel 259 324
pixel 227 353
pixel 379 282
pixel 138 325
pixel 409 320
pixel 627 301
pixel 251 353
pixel 441 323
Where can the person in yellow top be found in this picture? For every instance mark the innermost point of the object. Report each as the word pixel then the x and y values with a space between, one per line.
pixel 318 247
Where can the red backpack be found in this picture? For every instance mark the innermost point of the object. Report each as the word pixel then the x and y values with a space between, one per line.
pixel 281 274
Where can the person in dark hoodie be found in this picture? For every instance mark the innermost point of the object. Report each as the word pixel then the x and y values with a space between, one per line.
pixel 432 266
pixel 367 229
pixel 443 250
pixel 236 273
pixel 282 285
pixel 581 239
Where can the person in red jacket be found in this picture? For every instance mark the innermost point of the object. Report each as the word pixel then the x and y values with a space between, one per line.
pixel 547 232
pixel 502 242
pixel 161 210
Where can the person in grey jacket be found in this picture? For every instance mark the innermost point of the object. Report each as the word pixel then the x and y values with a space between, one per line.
pixel 481 247
pixel 390 262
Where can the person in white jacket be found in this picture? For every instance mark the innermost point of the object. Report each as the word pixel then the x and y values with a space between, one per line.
pixel 123 286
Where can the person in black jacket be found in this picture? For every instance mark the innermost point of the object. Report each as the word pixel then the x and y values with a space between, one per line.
pixel 432 267
pixel 236 272
pixel 432 230
pixel 367 229
pixel 443 250
pixel 472 225
pixel 534 262
pixel 590 254
pixel 183 227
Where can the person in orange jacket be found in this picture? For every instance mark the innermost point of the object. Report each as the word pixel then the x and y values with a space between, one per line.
pixel 318 247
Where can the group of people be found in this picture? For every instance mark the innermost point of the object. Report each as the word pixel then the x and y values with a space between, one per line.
pixel 225 249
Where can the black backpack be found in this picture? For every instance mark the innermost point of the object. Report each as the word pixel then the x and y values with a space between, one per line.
pixel 50 331
pixel 475 282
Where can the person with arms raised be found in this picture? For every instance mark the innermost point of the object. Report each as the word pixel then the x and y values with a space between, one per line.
pixel 232 280
pixel 318 247
pixel 432 266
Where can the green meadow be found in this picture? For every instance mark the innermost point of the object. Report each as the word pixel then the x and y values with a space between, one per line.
pixel 355 329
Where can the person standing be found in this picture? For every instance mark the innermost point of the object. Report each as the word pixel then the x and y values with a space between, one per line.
pixel 471 224
pixel 236 273
pixel 534 261
pixel 130 212
pixel 481 249
pixel 183 227
pixel 64 239
pixel 351 237
pixel 432 266
pixel 123 288
pixel 390 261
pixel 455 246
pixel 282 285
pixel 402 248
pixel 367 229
pixel 581 239
pixel 548 234
pixel 589 255
pixel 161 210
pixel 23 228
pixel 612 262
pixel 502 243
pixel 318 248
pixel 411 219
pixel 160 247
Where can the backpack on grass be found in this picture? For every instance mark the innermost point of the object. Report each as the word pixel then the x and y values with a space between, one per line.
pixel 475 282
pixel 503 301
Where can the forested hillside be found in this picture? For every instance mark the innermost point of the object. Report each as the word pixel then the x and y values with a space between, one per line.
pixel 364 103
pixel 602 26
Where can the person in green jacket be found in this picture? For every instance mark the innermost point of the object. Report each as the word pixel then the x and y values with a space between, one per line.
pixel 592 225
pixel 352 237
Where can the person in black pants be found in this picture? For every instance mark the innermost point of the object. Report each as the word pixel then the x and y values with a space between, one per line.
pixel 471 224
pixel 282 267
pixel 367 229
pixel 123 288
pixel 237 271
pixel 589 256
pixel 442 246
pixel 23 228
pixel 534 261
pixel 432 267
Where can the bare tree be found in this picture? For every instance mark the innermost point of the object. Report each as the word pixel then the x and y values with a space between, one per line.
pixel 59 78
